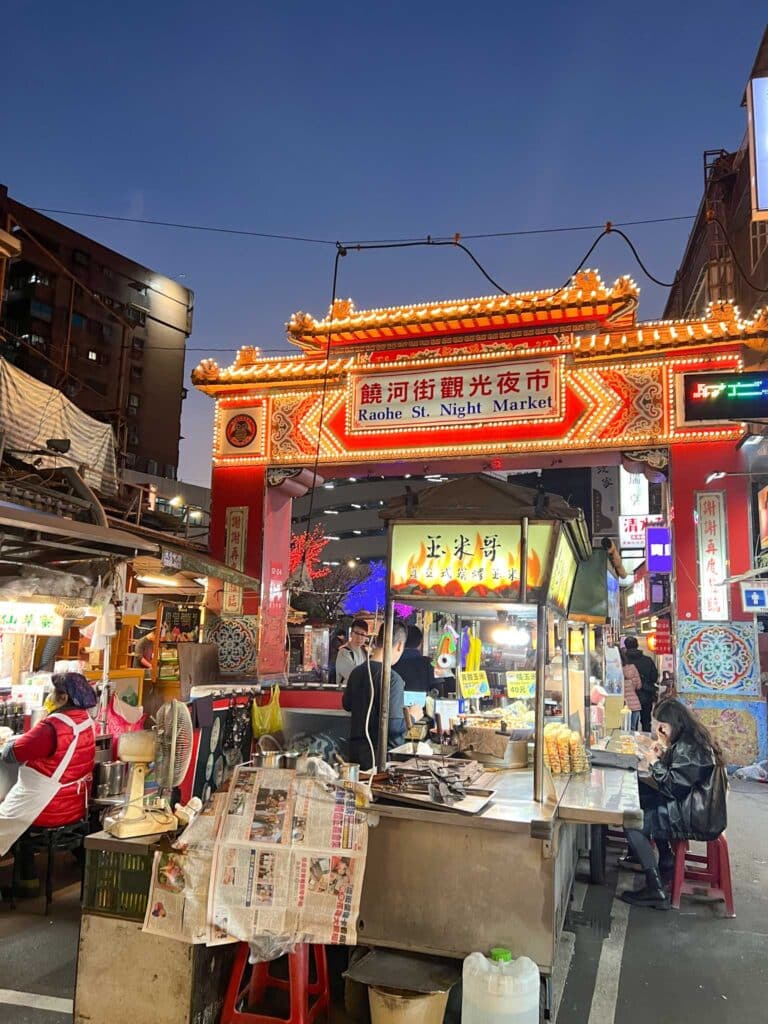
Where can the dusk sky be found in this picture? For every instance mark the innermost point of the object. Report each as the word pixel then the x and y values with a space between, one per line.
pixel 357 121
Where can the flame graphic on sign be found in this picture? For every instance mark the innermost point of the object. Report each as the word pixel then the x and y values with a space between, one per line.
pixel 475 576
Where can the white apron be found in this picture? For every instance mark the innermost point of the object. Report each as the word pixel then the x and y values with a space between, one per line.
pixel 32 792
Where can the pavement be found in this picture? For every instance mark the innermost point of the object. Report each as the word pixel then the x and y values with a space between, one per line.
pixel 617 965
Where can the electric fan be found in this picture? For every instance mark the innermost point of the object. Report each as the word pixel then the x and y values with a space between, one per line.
pixel 169 745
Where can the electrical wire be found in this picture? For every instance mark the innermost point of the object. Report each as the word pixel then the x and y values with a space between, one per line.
pixel 340 251
pixel 474 236
pixel 712 218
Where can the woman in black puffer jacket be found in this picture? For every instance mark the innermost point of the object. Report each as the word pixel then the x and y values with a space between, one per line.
pixel 684 798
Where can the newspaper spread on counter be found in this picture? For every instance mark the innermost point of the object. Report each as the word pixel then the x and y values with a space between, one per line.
pixel 278 854
pixel 290 858
pixel 177 907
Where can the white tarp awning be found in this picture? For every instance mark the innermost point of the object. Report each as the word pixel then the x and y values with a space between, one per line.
pixel 32 412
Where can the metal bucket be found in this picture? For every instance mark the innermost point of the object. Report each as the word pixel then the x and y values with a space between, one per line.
pixel 111 777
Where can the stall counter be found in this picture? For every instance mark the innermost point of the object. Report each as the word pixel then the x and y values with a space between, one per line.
pixel 457 883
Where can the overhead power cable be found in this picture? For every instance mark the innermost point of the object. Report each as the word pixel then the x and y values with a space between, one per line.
pixel 285 237
pixel 712 218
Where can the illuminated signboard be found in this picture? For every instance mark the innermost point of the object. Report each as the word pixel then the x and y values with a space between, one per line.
pixel 725 396
pixel 711 544
pixel 30 619
pixel 757 110
pixel 466 561
pixel 501 392
pixel 658 543
pixel 563 575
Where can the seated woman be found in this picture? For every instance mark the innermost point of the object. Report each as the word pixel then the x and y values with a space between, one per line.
pixel 55 763
pixel 684 798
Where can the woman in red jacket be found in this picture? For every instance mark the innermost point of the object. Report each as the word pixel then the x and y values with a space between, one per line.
pixel 55 763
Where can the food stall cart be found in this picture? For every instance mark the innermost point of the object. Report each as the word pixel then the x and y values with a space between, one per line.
pixel 482 551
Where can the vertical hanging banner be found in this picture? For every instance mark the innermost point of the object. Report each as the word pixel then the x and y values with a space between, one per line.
pixel 634 493
pixel 605 501
pixel 236 531
pixel 711 542
pixel 274 596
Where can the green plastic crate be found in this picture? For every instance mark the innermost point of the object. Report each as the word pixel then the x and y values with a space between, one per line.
pixel 117 884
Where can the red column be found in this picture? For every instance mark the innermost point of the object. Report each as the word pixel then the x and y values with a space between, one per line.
pixel 240 487
pixel 268 498
pixel 690 464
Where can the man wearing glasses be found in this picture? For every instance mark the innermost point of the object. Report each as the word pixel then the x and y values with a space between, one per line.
pixel 352 653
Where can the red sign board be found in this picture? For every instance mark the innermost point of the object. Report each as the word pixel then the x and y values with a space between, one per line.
pixel 663 636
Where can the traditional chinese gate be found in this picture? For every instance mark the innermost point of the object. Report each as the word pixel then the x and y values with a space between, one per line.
pixel 510 378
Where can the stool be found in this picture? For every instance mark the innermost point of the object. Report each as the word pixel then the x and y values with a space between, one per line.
pixel 708 876
pixel 56 838
pixel 308 999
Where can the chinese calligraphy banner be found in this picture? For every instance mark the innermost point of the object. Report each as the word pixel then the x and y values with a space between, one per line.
pixel 483 391
pixel 234 556
pixel 605 500
pixel 711 546
pixel 466 561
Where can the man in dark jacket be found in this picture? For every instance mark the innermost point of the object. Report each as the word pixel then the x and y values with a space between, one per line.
pixel 357 697
pixel 649 677
pixel 416 670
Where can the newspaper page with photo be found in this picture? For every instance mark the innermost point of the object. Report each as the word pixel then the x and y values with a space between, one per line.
pixel 177 907
pixel 290 858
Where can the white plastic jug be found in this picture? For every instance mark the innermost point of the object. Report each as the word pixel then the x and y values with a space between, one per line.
pixel 501 990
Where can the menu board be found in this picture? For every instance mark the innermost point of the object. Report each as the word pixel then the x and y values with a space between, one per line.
pixel 563 575
pixel 181 625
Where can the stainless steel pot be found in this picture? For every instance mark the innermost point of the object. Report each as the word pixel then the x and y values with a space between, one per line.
pixel 272 758
pixel 111 777
pixel 518 754
pixel 291 758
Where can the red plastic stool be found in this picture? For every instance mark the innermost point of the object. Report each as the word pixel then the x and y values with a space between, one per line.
pixel 706 876
pixel 308 998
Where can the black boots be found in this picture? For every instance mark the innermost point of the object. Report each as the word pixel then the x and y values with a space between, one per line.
pixel 651 895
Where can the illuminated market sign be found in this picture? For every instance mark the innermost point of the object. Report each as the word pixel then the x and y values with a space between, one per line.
pixel 757 109
pixel 725 396
pixel 466 561
pixel 496 392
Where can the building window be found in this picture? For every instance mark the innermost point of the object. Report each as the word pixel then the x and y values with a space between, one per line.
pixel 758 237
pixel 136 316
pixel 152 467
pixel 133 436
pixel 35 339
pixel 137 372
pixel 81 258
pixel 93 356
pixel 40 277
pixel 137 344
pixel 130 460
pixel 107 271
pixel 41 310
pixel 78 320
pixel 107 330
pixel 170 471
pixel 134 401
